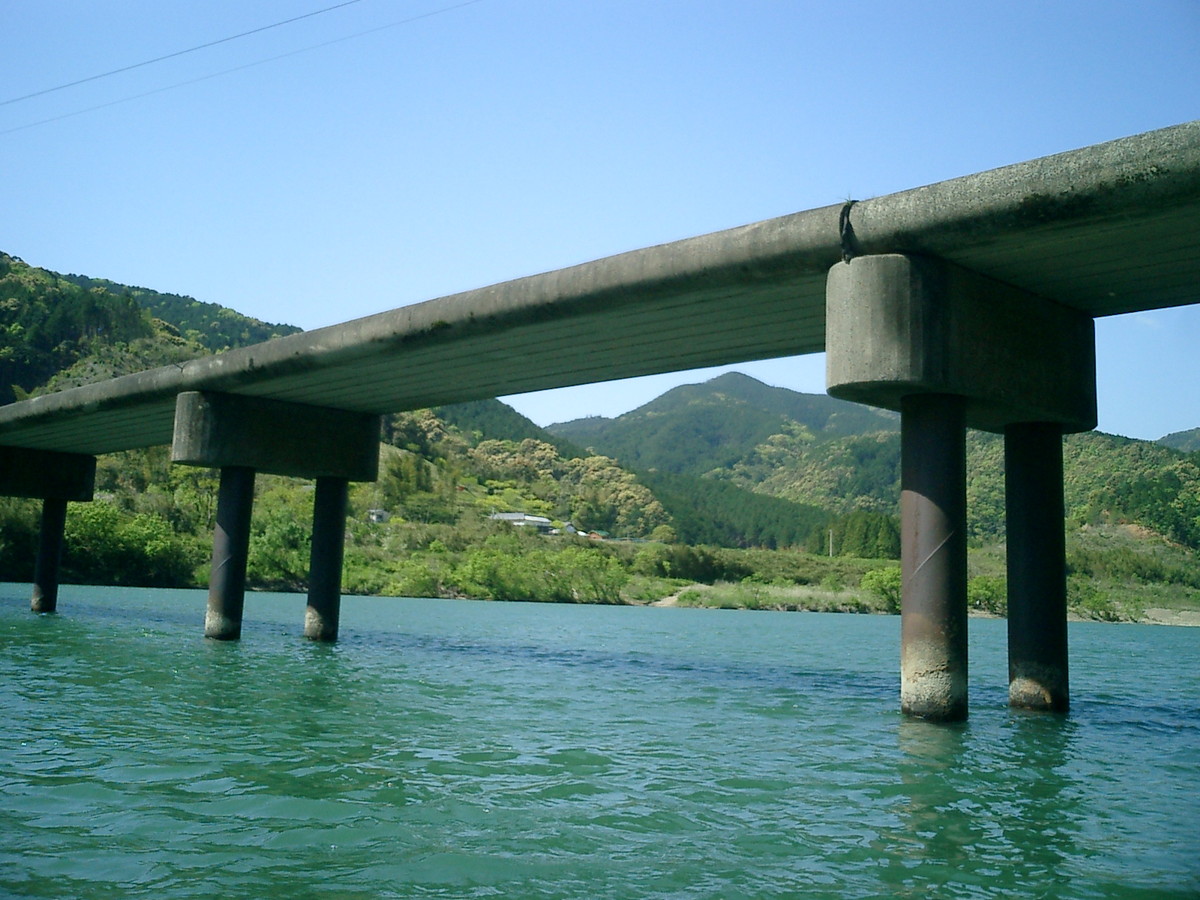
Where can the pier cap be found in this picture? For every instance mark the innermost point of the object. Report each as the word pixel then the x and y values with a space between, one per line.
pixel 901 324
pixel 46 474
pixel 273 436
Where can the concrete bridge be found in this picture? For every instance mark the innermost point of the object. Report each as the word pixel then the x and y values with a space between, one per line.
pixel 967 303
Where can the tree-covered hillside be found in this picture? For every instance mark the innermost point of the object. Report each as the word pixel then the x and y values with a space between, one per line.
pixel 47 324
pixel 494 420
pixel 697 429
pixel 813 451
pixel 57 331
pixel 1188 441
pixel 525 469
pixel 708 511
pixel 1107 479
pixel 210 325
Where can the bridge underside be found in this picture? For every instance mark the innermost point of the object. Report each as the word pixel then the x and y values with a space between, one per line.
pixel 1104 230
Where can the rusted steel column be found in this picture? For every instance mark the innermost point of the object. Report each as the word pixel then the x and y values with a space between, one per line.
pixel 325 563
pixel 1037 572
pixel 231 545
pixel 45 571
pixel 933 541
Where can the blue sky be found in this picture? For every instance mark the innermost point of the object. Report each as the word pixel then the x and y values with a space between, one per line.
pixel 391 151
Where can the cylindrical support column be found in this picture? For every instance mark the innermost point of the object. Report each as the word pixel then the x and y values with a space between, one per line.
pixel 45 571
pixel 1037 572
pixel 231 545
pixel 933 541
pixel 325 564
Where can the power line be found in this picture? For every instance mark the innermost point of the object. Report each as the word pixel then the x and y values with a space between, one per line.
pixel 250 65
pixel 224 40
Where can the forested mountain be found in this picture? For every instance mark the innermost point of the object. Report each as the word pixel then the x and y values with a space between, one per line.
pixel 47 324
pixel 1183 440
pixel 210 325
pixel 528 469
pixel 494 420
pixel 57 330
pixel 815 451
pixel 698 429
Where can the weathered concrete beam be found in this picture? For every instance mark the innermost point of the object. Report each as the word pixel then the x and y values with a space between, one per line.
pixel 44 474
pixel 218 430
pixel 901 325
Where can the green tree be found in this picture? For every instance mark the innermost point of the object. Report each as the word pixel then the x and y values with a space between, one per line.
pixel 594 577
pixel 279 550
pixel 103 545
pixel 989 594
pixel 885 586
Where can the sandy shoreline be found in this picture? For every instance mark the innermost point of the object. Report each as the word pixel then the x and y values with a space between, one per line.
pixel 1187 618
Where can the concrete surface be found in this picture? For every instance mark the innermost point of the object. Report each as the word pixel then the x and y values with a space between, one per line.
pixel 1106 229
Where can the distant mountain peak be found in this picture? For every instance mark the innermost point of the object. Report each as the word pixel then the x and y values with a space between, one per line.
pixel 1187 441
pixel 700 428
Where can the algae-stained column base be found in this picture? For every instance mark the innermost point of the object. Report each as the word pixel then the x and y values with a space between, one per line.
pixel 325 562
pixel 1037 577
pixel 231 547
pixel 933 549
pixel 50 544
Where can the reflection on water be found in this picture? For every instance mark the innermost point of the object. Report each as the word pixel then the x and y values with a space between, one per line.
pixel 488 750
pixel 974 812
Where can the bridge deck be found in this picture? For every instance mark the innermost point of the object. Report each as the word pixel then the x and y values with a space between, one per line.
pixel 1108 229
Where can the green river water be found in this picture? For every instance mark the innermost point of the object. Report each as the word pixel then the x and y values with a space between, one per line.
pixel 456 749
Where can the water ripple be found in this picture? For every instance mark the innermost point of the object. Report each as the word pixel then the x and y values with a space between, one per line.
pixel 484 750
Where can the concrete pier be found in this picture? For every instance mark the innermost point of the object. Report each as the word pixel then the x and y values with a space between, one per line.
pixel 933 540
pixel 325 562
pixel 231 547
pixel 49 558
pixel 243 435
pixel 1037 576
pixel 951 349
pixel 55 478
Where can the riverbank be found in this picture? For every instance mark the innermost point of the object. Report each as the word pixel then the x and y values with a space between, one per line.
pixel 793 599
pixel 1188 618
